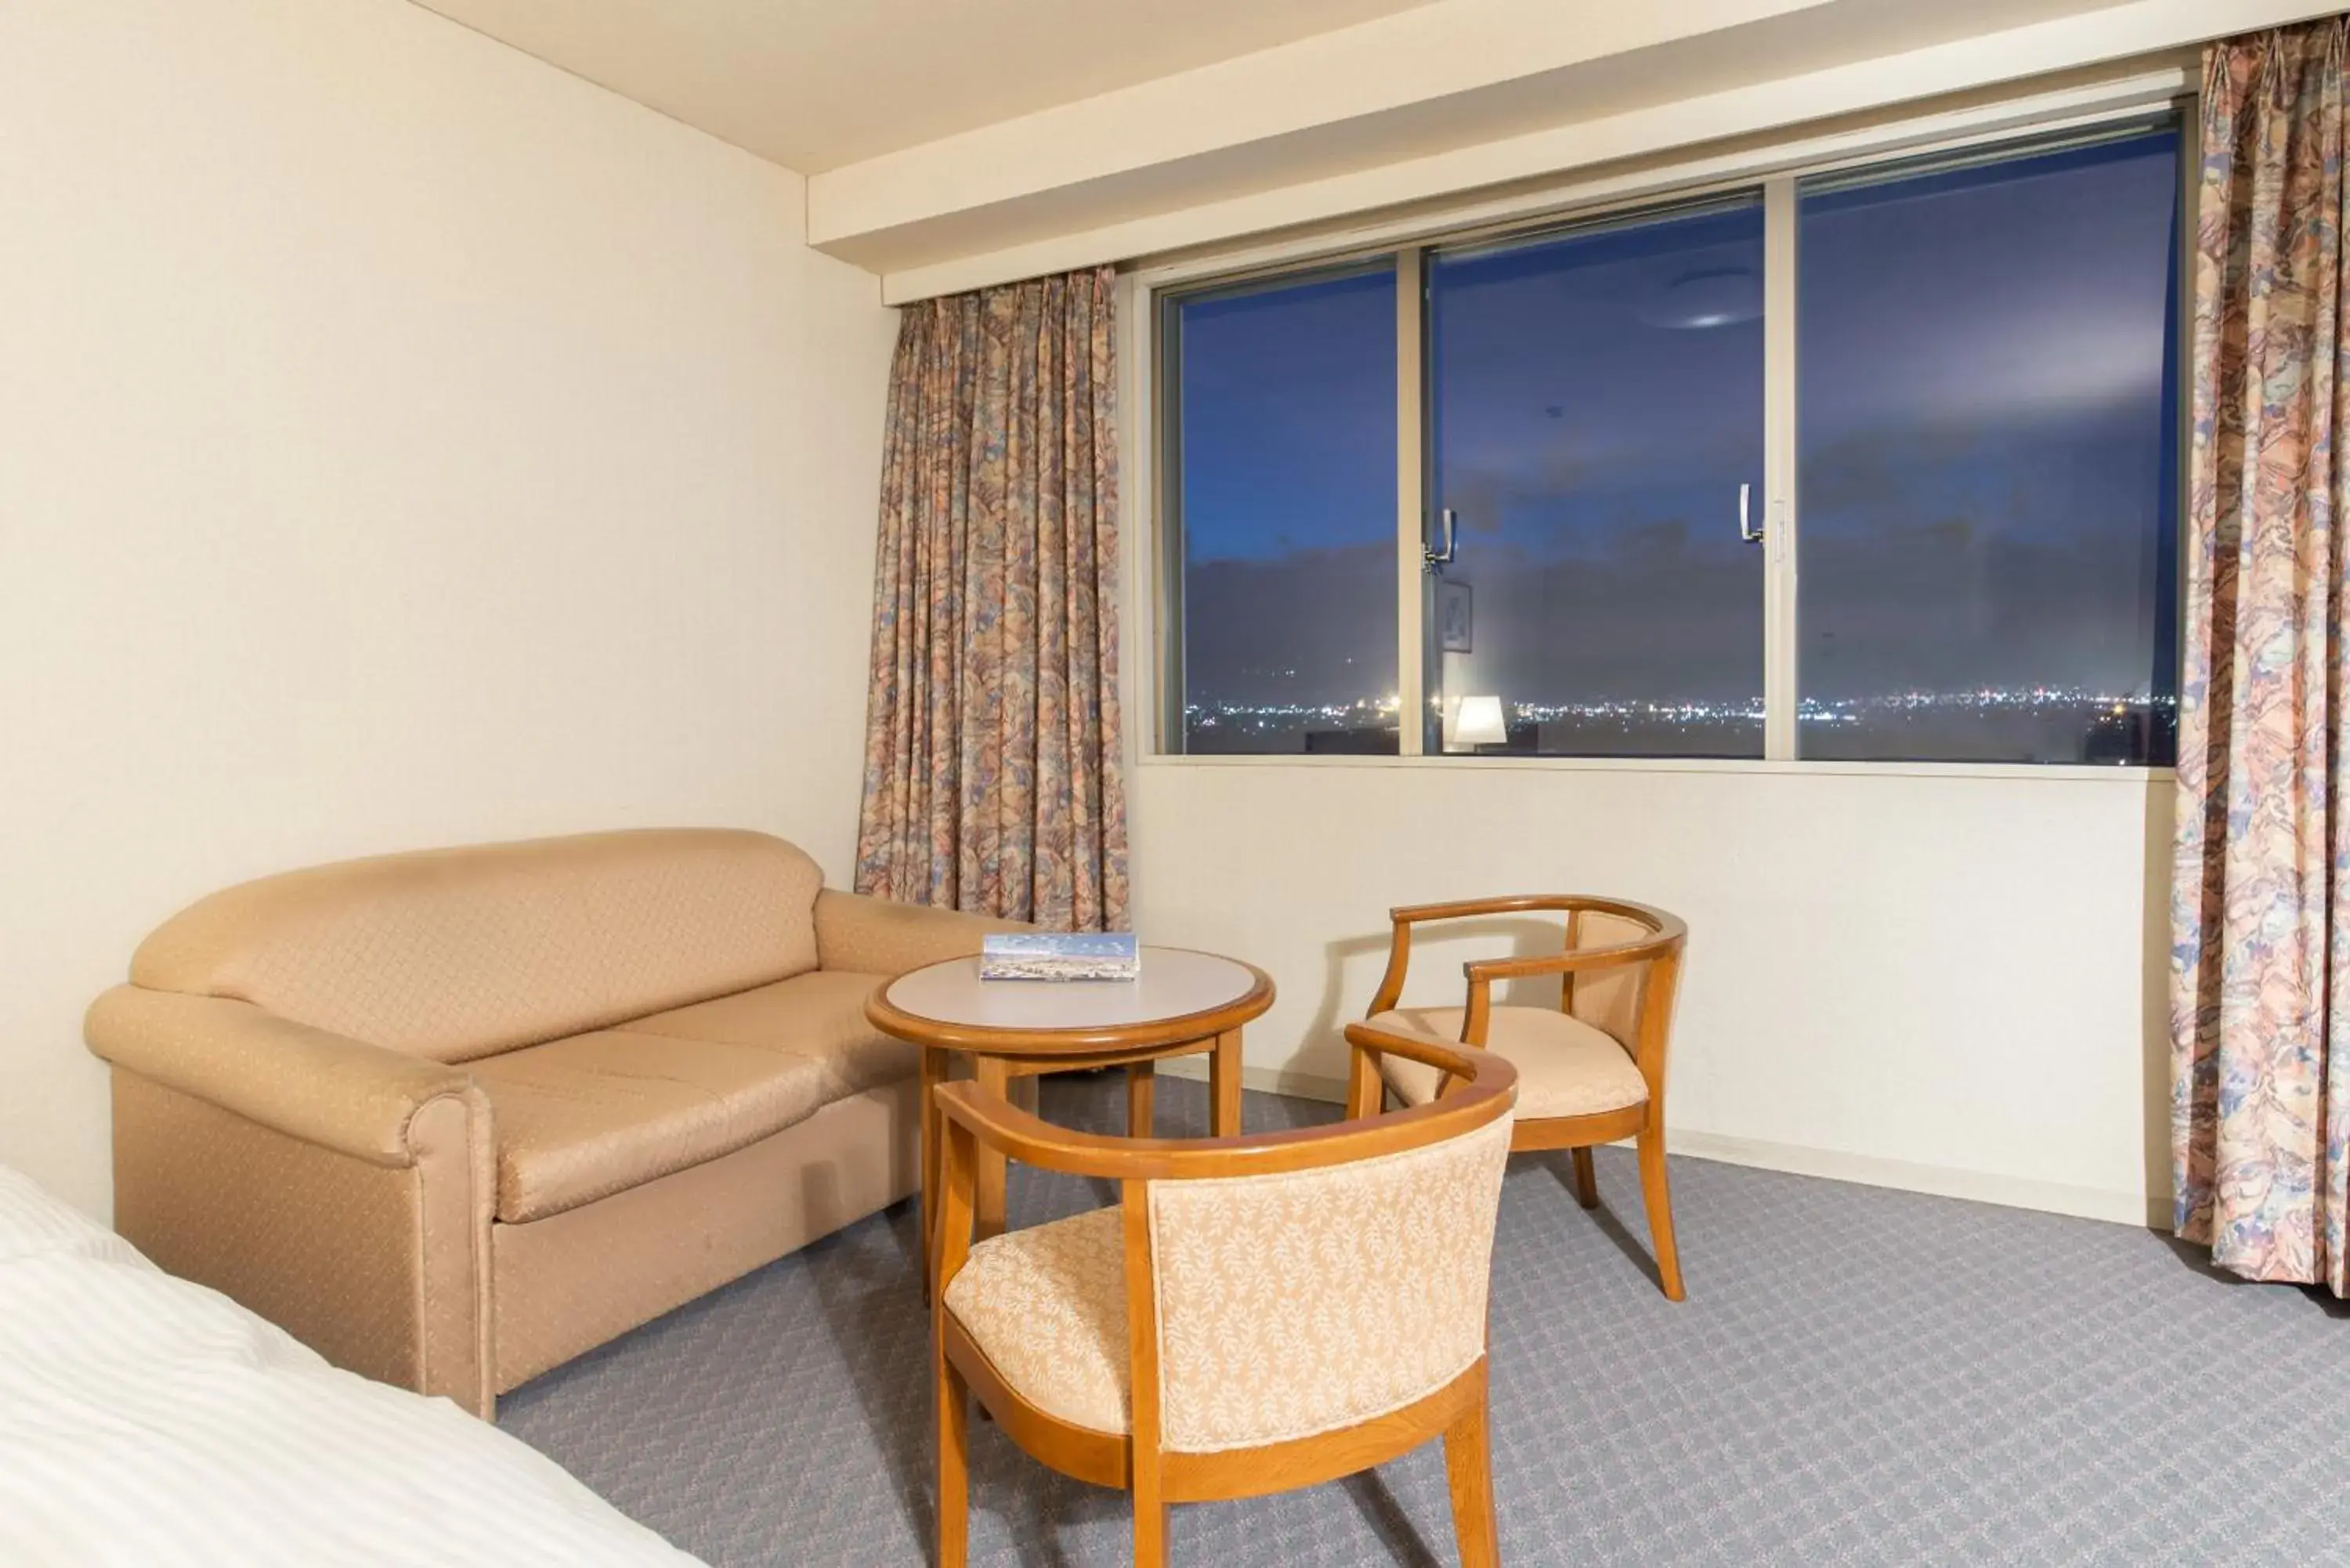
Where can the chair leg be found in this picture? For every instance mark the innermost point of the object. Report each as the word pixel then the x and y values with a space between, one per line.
pixel 933 1073
pixel 988 1182
pixel 1469 1467
pixel 1027 1092
pixel 1363 1086
pixel 1141 1081
pixel 954 1464
pixel 1660 1200
pixel 1150 1532
pixel 1224 1085
pixel 1586 1179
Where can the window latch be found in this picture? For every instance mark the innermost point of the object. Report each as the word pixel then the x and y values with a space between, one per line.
pixel 1429 557
pixel 1753 536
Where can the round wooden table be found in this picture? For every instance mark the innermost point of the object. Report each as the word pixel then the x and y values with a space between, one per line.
pixel 1185 1004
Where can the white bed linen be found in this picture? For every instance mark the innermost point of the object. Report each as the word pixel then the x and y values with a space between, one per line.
pixel 146 1420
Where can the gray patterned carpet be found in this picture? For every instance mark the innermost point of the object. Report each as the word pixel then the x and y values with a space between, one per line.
pixel 1858 1377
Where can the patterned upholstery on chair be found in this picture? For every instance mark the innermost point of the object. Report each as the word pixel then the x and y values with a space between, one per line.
pixel 1609 998
pixel 1047 1307
pixel 1566 1066
pixel 1289 1305
pixel 1294 1304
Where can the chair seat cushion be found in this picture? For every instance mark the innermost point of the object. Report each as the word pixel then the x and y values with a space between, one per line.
pixel 1566 1066
pixel 583 1117
pixel 1046 1306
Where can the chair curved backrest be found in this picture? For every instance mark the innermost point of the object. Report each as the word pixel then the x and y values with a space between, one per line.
pixel 1617 966
pixel 1610 997
pixel 1301 1302
pixel 1294 1282
pixel 1298 1305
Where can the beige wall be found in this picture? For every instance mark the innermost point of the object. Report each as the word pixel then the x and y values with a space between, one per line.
pixel 1949 981
pixel 402 443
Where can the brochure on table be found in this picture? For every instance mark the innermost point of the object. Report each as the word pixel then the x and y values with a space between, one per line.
pixel 1060 955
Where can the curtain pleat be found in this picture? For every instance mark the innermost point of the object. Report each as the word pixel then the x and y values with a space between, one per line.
pixel 2261 933
pixel 992 735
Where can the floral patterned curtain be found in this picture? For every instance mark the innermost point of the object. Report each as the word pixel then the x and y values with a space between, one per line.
pixel 2261 907
pixel 991 736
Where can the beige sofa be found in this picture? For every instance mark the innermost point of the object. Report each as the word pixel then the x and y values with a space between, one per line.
pixel 454 1117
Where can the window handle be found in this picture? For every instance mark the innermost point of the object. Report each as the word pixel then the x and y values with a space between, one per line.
pixel 1429 557
pixel 1753 536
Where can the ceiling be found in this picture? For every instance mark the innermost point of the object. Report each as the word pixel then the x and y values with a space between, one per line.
pixel 816 84
pixel 950 144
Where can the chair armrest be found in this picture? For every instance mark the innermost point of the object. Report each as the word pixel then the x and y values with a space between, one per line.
pixel 1465 908
pixel 1401 919
pixel 1667 937
pixel 973 1117
pixel 880 935
pixel 1489 1090
pixel 1370 1043
pixel 1661 949
pixel 1666 929
pixel 324 1089
pixel 1485 972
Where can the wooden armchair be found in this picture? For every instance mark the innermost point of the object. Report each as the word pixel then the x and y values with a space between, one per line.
pixel 1589 1072
pixel 1257 1314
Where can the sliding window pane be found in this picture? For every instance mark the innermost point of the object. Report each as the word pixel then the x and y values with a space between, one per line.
pixel 1596 407
pixel 1988 416
pixel 1281 459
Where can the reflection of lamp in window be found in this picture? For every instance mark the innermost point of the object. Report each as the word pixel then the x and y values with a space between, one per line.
pixel 1478 722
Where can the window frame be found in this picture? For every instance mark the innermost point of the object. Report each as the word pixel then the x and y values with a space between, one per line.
pixel 2010 127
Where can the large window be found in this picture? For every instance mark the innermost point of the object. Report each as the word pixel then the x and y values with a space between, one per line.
pixel 1988 471
pixel 1874 464
pixel 1280 400
pixel 1596 402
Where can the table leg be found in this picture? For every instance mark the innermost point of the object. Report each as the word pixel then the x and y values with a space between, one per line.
pixel 987 1201
pixel 933 1135
pixel 1224 1085
pixel 1141 1079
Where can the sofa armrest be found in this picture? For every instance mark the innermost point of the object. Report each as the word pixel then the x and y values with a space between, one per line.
pixel 880 935
pixel 339 1188
pixel 342 1094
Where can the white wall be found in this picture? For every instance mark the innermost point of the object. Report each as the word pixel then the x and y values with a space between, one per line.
pixel 402 443
pixel 1947 981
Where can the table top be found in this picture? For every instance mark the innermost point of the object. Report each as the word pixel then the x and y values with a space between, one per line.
pixel 1181 995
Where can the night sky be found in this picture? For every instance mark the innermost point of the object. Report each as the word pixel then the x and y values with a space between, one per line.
pixel 1289 498
pixel 1983 415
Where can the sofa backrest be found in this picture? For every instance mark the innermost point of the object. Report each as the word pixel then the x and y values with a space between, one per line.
pixel 459 954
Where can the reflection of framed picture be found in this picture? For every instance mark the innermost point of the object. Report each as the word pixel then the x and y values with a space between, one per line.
pixel 1454 619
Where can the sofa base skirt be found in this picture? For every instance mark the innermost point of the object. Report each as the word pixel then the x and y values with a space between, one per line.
pixel 572 1281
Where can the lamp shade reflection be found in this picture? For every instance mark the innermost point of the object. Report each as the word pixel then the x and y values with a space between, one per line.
pixel 1478 722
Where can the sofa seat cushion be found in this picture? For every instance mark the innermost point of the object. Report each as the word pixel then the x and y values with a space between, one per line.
pixel 581 1118
pixel 819 1015
pixel 1566 1067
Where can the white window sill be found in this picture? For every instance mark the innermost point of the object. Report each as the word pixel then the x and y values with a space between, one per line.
pixel 2042 773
